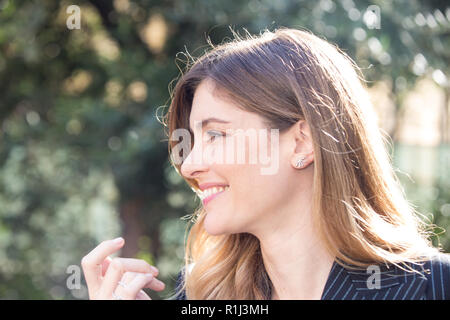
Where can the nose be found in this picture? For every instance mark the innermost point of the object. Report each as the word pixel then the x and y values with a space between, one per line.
pixel 193 165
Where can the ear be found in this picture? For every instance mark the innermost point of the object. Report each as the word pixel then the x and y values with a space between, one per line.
pixel 303 154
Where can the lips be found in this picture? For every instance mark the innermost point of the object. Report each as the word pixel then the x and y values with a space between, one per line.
pixel 212 196
pixel 208 185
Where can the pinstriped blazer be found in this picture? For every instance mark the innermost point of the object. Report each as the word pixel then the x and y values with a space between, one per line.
pixel 382 282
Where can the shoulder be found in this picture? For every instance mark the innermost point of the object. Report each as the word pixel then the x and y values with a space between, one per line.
pixel 390 282
pixel 437 272
pixel 181 294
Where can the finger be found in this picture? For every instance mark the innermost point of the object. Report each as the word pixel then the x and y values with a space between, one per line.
pixel 156 285
pixel 116 270
pixel 142 296
pixel 133 265
pixel 92 262
pixel 123 283
pixel 131 290
pixel 128 277
pixel 105 265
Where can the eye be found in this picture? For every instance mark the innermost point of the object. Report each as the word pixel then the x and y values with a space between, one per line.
pixel 213 135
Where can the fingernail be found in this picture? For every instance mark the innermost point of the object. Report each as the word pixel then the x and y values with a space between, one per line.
pixel 118 240
pixel 154 269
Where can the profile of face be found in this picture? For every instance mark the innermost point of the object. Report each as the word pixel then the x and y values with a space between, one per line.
pixel 252 201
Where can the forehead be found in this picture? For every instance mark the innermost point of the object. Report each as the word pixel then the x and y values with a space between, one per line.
pixel 207 104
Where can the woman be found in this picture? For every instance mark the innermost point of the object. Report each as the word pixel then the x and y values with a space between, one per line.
pixel 332 223
pixel 326 219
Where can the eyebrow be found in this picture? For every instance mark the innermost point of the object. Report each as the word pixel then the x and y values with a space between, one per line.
pixel 205 122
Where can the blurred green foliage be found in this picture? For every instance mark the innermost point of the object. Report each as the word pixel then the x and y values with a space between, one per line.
pixel 82 155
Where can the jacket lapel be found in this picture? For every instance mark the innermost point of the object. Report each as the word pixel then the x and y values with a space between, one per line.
pixel 379 282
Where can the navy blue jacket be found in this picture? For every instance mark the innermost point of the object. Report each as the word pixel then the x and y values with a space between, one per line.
pixel 391 283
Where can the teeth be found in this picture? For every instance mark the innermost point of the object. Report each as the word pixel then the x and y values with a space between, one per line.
pixel 207 192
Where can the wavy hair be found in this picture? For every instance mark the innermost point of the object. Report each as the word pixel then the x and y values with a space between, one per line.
pixel 359 208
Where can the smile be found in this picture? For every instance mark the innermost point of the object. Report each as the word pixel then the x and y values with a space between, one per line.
pixel 209 194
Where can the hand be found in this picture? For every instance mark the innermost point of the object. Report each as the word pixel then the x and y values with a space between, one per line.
pixel 117 278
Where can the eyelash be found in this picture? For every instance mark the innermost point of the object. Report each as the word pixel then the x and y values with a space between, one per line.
pixel 218 134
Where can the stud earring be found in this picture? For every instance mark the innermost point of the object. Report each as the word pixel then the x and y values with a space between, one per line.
pixel 300 162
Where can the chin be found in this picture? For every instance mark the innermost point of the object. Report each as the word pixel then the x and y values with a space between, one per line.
pixel 214 229
pixel 214 226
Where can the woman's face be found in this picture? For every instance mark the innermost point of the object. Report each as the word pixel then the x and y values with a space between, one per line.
pixel 251 199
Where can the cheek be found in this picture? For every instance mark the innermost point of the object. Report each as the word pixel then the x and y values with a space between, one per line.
pixel 258 193
pixel 246 176
pixel 251 190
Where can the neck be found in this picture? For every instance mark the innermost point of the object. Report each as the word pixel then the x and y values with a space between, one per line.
pixel 295 259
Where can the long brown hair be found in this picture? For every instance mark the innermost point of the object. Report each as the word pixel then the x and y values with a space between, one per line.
pixel 359 208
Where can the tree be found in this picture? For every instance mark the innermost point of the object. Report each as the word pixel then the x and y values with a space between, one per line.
pixel 83 156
